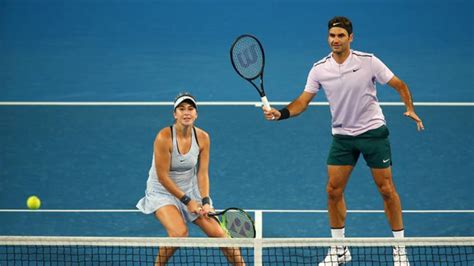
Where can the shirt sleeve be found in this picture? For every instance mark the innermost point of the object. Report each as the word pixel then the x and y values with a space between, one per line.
pixel 312 83
pixel 382 73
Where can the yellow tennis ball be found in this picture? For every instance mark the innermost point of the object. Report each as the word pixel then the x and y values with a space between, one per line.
pixel 33 202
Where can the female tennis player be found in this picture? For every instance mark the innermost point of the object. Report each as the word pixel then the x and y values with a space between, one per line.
pixel 177 189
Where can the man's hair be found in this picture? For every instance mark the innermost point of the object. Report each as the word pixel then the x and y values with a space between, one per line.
pixel 341 22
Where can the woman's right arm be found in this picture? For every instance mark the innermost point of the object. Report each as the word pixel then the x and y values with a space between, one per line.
pixel 162 148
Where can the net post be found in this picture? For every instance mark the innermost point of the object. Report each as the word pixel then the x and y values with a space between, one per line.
pixel 257 250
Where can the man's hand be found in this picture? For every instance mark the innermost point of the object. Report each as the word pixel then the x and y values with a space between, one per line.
pixel 412 115
pixel 272 114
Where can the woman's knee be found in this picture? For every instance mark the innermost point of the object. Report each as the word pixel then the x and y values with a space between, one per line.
pixel 216 231
pixel 210 227
pixel 178 232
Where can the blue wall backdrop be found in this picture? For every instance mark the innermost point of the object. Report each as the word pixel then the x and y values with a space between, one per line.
pixel 111 50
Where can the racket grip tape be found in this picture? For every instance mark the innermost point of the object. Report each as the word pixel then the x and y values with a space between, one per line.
pixel 266 104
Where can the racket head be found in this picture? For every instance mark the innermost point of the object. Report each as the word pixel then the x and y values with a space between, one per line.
pixel 247 56
pixel 237 223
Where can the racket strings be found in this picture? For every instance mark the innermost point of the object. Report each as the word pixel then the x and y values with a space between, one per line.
pixel 238 224
pixel 248 57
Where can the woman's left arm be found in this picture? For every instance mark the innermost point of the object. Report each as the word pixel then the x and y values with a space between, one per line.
pixel 203 169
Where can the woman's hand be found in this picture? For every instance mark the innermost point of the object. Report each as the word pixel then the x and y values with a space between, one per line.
pixel 194 207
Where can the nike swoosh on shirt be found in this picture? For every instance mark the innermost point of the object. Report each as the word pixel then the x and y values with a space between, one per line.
pixel 355 70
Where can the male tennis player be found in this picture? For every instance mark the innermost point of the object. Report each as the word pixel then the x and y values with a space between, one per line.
pixel 358 126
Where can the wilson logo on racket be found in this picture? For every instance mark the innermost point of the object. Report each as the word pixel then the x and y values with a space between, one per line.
pixel 251 56
pixel 248 59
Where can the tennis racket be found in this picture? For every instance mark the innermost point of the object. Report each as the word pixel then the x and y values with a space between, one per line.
pixel 248 60
pixel 236 222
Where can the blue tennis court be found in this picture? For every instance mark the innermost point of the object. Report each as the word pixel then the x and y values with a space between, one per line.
pixel 98 158
pixel 81 158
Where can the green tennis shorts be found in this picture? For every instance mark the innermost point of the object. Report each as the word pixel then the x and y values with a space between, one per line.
pixel 373 144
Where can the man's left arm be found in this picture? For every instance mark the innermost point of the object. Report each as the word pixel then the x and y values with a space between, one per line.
pixel 402 88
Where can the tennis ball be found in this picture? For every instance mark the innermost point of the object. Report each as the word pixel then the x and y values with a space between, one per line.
pixel 33 202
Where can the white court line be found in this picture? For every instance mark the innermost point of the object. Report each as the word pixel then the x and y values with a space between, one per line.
pixel 248 210
pixel 214 103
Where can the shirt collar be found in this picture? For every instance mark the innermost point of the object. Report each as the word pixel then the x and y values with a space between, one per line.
pixel 346 62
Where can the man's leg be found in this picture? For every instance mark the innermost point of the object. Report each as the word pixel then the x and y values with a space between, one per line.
pixel 393 211
pixel 338 176
pixel 392 205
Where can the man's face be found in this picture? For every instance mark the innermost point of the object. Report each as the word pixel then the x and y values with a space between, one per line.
pixel 339 40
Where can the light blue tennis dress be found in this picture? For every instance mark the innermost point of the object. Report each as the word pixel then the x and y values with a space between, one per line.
pixel 183 172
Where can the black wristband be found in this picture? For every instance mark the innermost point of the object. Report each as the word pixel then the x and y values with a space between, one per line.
pixel 185 199
pixel 284 113
pixel 206 200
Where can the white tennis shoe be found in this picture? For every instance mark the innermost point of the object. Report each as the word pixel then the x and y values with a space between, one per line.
pixel 336 256
pixel 400 257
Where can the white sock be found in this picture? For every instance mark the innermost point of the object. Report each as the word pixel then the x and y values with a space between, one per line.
pixel 399 234
pixel 338 232
pixel 399 249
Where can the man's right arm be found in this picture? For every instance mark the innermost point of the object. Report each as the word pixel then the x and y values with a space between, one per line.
pixel 295 108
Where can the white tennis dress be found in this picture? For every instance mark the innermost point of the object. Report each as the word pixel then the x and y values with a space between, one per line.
pixel 183 172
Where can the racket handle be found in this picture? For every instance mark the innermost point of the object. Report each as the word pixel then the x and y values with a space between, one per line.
pixel 215 213
pixel 265 103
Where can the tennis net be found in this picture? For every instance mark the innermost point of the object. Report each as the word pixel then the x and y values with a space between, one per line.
pixel 33 250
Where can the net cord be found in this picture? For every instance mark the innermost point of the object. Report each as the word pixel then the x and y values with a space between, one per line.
pixel 236 242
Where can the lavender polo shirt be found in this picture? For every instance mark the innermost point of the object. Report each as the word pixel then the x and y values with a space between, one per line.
pixel 351 91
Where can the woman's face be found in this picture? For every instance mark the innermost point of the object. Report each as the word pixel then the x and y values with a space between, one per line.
pixel 185 114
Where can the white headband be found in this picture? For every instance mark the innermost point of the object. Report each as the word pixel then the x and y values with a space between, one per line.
pixel 184 98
